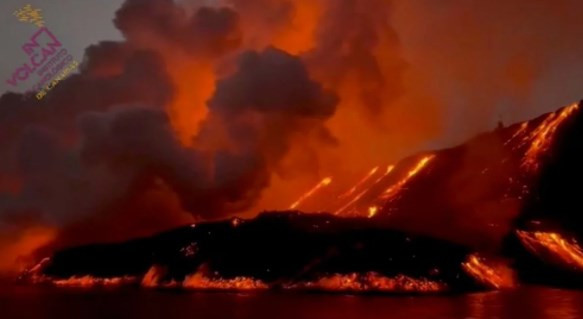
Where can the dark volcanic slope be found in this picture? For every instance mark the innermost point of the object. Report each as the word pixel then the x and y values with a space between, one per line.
pixel 525 176
pixel 478 192
pixel 280 249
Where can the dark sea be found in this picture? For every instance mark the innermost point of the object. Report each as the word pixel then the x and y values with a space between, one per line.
pixel 45 302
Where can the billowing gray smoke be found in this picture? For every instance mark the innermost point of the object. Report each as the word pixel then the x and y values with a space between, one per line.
pixel 105 147
pixel 102 139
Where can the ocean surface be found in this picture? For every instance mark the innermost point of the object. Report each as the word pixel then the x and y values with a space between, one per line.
pixel 45 302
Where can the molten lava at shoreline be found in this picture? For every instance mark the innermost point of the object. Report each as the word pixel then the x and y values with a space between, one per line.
pixel 359 246
pixel 199 281
pixel 553 247
pixel 302 250
pixel 493 275
pixel 371 282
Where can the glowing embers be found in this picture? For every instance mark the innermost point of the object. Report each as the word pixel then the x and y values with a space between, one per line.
pixel 323 183
pixel 371 281
pixel 492 274
pixel 396 188
pixel 155 278
pixel 541 137
pixel 84 281
pixel 552 247
pixel 34 275
pixel 90 282
pixel 201 282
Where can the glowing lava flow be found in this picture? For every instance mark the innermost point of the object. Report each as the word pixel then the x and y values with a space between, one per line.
pixel 554 246
pixel 153 277
pixel 34 275
pixel 495 276
pixel 323 183
pixel 372 211
pixel 393 190
pixel 390 168
pixel 370 281
pixel 351 202
pixel 199 281
pixel 518 133
pixel 83 281
pixel 541 138
pixel 90 281
pixel 360 183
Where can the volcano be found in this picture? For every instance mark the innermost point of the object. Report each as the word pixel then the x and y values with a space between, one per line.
pixel 499 208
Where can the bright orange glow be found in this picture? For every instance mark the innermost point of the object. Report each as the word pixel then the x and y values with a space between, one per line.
pixel 394 190
pixel 201 282
pixel 563 252
pixel 541 138
pixel 194 84
pixel 495 276
pixel 372 211
pixel 15 250
pixel 360 183
pixel 235 221
pixel 299 37
pixel 323 183
pixel 87 281
pixel 153 277
pixel 371 281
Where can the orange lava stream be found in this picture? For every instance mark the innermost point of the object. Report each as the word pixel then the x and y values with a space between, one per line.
pixel 371 281
pixel 372 210
pixel 199 281
pixel 390 168
pixel 351 202
pixel 323 183
pixel 518 133
pixel 16 250
pixel 562 251
pixel 34 275
pixel 493 276
pixel 541 138
pixel 394 190
pixel 360 183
